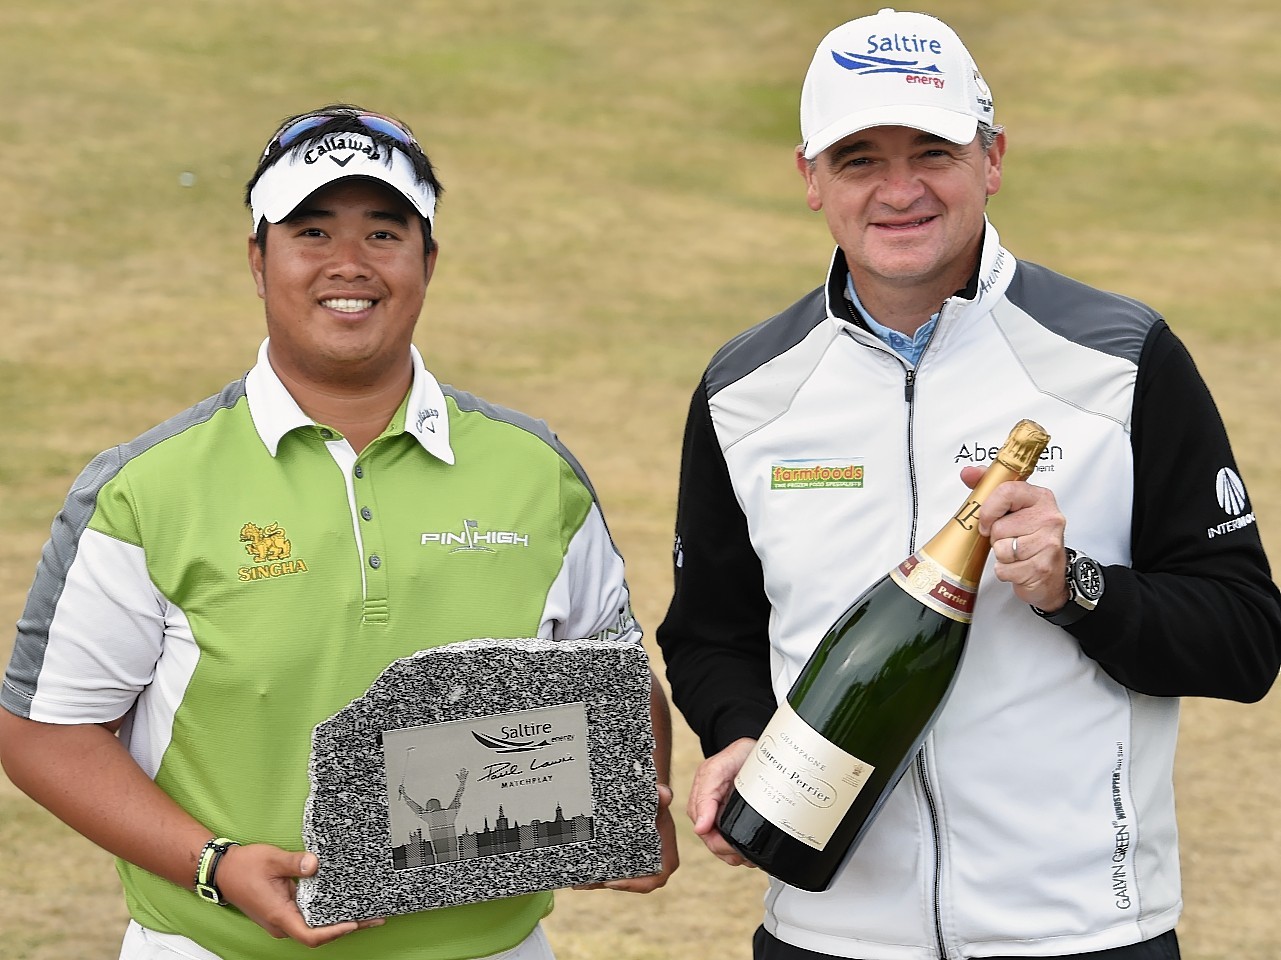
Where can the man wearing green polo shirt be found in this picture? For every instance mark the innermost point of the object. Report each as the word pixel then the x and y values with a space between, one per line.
pixel 217 586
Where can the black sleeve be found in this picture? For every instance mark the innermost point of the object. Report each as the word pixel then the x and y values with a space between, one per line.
pixel 715 637
pixel 1197 614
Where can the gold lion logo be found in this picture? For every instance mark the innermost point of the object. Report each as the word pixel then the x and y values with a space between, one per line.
pixel 265 543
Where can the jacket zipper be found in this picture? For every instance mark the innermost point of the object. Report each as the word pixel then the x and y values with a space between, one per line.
pixel 937 897
pixel 909 397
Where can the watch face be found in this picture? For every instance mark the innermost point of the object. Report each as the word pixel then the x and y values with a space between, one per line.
pixel 1089 578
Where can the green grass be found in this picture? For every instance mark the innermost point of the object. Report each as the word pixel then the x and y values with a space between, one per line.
pixel 620 199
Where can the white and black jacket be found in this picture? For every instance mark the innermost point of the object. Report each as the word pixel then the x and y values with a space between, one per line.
pixel 1039 817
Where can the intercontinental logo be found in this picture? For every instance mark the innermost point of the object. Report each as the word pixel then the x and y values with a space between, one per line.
pixel 271 552
pixel 1230 492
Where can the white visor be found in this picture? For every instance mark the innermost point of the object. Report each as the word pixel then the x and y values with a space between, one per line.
pixel 300 173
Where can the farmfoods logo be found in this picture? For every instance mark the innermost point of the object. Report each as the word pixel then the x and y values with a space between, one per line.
pixel 815 475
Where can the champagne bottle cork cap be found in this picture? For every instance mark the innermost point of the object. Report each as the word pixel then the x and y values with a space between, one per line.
pixel 1023 448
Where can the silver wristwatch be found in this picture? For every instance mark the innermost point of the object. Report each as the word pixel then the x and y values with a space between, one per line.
pixel 1085 587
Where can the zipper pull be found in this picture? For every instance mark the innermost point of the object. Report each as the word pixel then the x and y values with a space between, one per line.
pixel 908 384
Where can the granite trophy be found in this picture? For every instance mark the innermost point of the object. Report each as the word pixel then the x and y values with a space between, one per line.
pixel 483 769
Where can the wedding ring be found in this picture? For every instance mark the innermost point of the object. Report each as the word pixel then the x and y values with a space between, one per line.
pixel 1014 547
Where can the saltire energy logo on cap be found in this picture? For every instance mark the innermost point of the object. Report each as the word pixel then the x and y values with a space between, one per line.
pixel 865 64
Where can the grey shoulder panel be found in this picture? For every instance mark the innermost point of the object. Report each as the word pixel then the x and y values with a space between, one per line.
pixel 772 338
pixel 64 538
pixel 110 462
pixel 1107 322
pixel 470 403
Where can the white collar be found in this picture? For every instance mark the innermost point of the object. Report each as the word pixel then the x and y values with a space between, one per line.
pixel 275 412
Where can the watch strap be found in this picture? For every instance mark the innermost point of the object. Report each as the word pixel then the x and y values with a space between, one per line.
pixel 1078 605
pixel 207 870
pixel 1070 614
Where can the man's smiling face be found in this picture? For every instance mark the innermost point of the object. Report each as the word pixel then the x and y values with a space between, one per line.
pixel 343 278
pixel 906 207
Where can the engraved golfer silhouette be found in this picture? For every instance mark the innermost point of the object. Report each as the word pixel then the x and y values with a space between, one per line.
pixel 440 820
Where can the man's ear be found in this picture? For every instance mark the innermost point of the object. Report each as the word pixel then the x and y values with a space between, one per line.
pixel 256 265
pixel 430 260
pixel 806 170
pixel 995 155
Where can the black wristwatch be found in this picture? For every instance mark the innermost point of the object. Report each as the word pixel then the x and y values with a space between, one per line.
pixel 1085 587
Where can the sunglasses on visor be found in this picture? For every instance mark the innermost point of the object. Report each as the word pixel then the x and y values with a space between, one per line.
pixel 370 121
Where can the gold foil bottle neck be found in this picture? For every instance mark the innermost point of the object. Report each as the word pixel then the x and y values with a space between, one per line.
pixel 959 548
pixel 1023 448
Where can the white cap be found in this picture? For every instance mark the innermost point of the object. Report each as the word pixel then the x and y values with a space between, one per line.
pixel 892 69
pixel 300 173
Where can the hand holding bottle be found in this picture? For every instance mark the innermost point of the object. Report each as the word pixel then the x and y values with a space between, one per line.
pixel 713 782
pixel 1026 528
pixel 861 706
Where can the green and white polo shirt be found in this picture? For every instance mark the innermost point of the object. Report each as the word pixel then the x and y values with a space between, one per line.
pixel 237 574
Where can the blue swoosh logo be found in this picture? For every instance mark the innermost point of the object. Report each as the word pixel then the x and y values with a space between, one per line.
pixel 865 64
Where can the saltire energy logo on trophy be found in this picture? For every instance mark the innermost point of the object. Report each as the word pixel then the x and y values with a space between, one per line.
pixel 467 789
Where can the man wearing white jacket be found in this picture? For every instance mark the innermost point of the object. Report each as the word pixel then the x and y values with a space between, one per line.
pixel 1038 818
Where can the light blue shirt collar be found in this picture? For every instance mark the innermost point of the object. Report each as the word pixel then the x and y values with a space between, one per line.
pixel 909 348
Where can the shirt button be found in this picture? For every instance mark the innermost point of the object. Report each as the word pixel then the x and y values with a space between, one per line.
pixel 360 471
pixel 375 561
pixel 367 513
pixel 327 433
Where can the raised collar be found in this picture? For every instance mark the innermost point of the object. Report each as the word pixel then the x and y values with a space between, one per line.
pixel 275 412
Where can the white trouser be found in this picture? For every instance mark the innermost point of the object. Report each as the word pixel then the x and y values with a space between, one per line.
pixel 143 944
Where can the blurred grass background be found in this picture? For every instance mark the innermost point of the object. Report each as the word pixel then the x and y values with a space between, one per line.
pixel 620 199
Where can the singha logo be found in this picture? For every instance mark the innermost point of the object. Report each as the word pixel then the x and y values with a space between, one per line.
pixel 264 544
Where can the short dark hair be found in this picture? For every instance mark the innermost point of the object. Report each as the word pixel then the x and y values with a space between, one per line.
pixel 344 118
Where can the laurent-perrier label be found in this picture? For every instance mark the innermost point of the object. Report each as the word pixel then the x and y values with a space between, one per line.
pixel 799 781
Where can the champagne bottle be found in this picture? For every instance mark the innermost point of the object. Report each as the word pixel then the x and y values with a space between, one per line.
pixel 862 705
